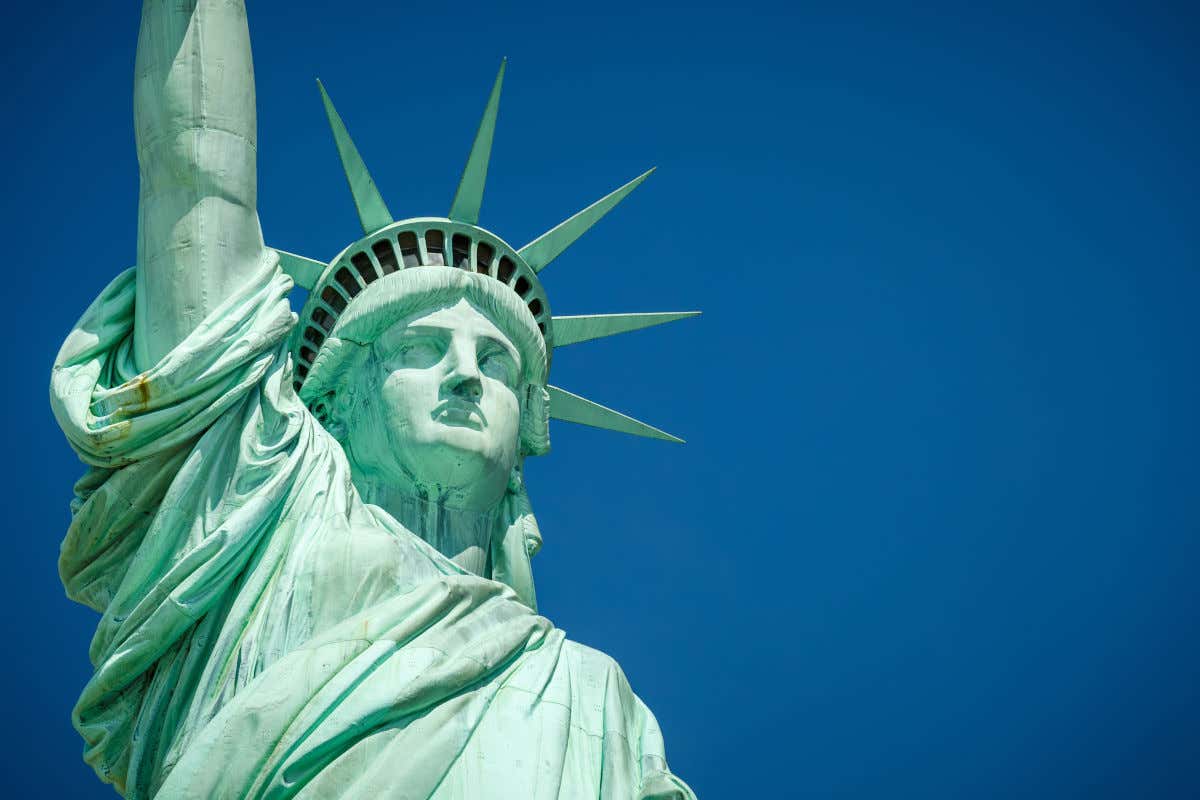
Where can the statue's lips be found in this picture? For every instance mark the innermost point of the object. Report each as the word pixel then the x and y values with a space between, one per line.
pixel 460 413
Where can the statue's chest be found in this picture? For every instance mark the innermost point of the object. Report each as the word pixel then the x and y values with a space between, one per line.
pixel 336 569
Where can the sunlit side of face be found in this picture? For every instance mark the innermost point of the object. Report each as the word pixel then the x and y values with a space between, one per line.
pixel 441 411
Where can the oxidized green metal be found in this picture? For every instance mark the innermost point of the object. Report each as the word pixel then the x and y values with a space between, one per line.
pixel 469 196
pixel 372 211
pixel 311 542
pixel 550 245
pixel 455 242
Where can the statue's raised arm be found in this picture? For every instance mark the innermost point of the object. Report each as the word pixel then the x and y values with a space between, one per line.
pixel 195 126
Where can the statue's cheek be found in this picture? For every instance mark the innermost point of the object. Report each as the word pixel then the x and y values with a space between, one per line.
pixel 504 414
pixel 408 397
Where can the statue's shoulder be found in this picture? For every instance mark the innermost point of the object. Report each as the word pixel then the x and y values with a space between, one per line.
pixel 590 659
pixel 599 686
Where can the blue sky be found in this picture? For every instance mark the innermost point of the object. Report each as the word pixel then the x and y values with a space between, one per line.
pixel 934 531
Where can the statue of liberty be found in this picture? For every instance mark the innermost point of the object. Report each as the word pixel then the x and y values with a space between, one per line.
pixel 308 535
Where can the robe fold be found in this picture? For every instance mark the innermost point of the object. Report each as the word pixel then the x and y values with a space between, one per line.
pixel 267 634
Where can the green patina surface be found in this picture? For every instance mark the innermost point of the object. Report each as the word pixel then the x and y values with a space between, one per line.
pixel 310 543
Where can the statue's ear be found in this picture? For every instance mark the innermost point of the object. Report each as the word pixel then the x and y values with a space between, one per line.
pixel 336 376
pixel 329 387
pixel 535 420
pixel 339 407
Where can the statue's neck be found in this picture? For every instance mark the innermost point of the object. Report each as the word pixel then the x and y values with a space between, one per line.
pixel 463 535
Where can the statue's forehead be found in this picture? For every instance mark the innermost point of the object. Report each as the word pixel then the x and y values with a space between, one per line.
pixel 456 316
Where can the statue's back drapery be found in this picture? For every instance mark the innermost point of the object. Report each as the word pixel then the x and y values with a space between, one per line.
pixel 266 632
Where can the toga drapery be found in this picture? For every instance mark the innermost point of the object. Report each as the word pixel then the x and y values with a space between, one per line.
pixel 265 633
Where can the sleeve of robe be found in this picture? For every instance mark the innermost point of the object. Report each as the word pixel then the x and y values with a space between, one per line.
pixel 186 477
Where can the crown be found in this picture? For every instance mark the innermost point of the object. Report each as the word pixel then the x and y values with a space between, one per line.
pixel 457 242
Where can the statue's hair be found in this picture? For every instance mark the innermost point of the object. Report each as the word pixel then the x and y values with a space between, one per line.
pixel 518 539
pixel 402 294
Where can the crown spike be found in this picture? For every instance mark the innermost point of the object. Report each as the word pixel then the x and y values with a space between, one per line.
pixel 372 211
pixel 547 247
pixel 572 408
pixel 575 329
pixel 469 197
pixel 303 270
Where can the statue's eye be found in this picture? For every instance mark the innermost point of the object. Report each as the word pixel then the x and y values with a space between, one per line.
pixel 499 365
pixel 419 352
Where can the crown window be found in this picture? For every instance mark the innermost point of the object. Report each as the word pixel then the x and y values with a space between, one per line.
pixel 409 252
pixel 507 268
pixel 334 299
pixel 483 258
pixel 461 249
pixel 323 318
pixel 435 248
pixel 362 262
pixel 347 281
pixel 386 256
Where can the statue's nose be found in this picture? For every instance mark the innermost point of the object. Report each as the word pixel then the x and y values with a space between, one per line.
pixel 464 379
pixel 468 387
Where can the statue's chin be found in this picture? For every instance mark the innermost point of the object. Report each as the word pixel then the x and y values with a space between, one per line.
pixel 458 465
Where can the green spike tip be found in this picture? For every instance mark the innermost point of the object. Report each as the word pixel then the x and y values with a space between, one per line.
pixel 570 407
pixel 372 211
pixel 547 247
pixel 469 197
pixel 571 330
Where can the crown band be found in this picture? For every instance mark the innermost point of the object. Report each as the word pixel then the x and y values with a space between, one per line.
pixel 418 242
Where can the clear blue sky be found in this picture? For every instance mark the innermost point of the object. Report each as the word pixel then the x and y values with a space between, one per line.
pixel 935 531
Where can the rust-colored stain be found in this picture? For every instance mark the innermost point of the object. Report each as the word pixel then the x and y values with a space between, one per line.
pixel 141 389
pixel 108 434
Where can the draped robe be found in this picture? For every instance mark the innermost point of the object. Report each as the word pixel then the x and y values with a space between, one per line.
pixel 266 633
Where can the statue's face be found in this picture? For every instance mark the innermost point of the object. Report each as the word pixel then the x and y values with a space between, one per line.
pixel 440 412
